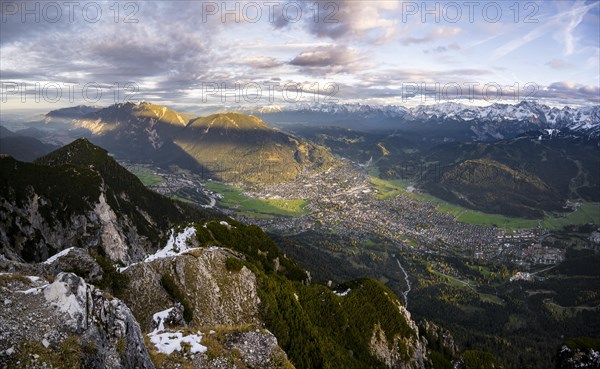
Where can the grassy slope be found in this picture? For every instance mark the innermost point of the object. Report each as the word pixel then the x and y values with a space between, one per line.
pixel 146 175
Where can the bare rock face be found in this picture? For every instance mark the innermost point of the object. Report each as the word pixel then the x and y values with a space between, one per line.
pixel 215 295
pixel 38 233
pixel 66 322
pixel 400 352
pixel 114 241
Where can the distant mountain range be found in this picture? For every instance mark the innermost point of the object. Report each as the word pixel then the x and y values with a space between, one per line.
pixel 496 121
pixel 244 149
pixel 493 121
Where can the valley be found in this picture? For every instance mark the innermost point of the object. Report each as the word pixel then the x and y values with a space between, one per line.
pixel 428 251
pixel 346 200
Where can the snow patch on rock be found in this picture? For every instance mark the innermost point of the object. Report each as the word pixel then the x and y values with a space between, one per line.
pixel 53 258
pixel 175 245
pixel 167 342
pixel 159 319
pixel 68 293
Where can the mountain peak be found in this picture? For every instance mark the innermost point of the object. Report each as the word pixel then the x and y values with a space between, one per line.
pixel 78 152
pixel 124 112
pixel 228 121
pixel 73 112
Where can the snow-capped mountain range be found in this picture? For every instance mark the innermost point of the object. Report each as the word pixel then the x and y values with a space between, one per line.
pixel 582 119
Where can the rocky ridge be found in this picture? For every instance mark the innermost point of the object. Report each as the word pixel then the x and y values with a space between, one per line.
pixel 66 321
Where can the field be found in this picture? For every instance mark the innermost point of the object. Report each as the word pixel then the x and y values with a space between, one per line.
pixel 146 175
pixel 588 212
pixel 389 188
pixel 255 208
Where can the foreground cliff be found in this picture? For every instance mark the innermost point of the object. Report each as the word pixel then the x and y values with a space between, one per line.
pixel 66 324
pixel 197 301
pixel 72 324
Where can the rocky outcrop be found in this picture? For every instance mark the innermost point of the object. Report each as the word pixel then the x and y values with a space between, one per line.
pixel 76 260
pixel 194 298
pixel 255 348
pixel 66 321
pixel 73 259
pixel 225 348
pixel 69 322
pixel 399 352
pixel 215 295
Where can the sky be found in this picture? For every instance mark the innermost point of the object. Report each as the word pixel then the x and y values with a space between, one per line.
pixel 192 55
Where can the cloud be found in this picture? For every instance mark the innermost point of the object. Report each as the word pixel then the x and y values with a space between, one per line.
pixel 443 49
pixel 574 89
pixel 565 22
pixel 372 21
pixel 261 62
pixel 574 19
pixel 397 76
pixel 329 59
pixel 172 51
pixel 438 33
pixel 325 56
pixel 567 93
pixel 166 50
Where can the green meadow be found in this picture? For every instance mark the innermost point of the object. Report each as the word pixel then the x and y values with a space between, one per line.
pixel 255 208
pixel 146 175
